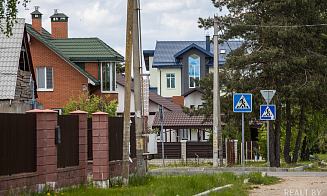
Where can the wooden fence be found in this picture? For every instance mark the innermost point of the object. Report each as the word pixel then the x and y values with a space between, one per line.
pixel 17 143
pixel 68 149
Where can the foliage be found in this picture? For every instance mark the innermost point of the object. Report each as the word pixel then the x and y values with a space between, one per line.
pixel 172 185
pixel 8 12
pixel 289 60
pixel 120 68
pixel 258 178
pixel 151 131
pixel 90 103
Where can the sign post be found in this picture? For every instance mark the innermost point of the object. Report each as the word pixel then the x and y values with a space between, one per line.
pixel 267 95
pixel 161 115
pixel 242 103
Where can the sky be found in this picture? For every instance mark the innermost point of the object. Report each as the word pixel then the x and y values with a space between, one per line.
pixel 162 20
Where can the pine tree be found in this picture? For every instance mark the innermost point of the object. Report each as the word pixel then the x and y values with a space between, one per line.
pixel 287 59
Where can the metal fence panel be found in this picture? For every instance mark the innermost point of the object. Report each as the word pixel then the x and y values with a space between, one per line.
pixel 116 129
pixel 68 149
pixel 201 149
pixel 172 150
pixel 89 140
pixel 17 143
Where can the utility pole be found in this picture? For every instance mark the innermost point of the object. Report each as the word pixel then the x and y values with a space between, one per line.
pixel 127 98
pixel 215 94
pixel 137 91
pixel 217 133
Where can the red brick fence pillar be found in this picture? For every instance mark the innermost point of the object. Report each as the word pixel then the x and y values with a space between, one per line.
pixel 46 149
pixel 100 149
pixel 82 143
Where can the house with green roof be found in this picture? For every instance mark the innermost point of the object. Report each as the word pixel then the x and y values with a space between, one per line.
pixel 66 65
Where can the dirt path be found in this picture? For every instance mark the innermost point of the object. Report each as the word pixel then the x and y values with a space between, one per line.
pixel 294 186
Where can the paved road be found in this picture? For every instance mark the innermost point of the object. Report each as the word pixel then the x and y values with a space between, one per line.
pixel 238 171
pixel 297 174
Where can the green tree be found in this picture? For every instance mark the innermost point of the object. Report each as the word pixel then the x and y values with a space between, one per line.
pixel 120 68
pixel 272 57
pixel 90 103
pixel 8 12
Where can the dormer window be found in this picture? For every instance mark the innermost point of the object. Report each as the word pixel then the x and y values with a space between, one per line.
pixel 223 51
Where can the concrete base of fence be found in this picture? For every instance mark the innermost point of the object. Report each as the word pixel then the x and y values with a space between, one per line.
pixel 101 183
pixel 181 161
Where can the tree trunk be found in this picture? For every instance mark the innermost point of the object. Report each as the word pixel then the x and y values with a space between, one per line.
pixel 272 145
pixel 277 135
pixel 305 152
pixel 288 134
pixel 299 135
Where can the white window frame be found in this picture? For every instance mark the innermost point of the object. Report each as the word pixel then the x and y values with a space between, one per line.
pixel 222 51
pixel 45 82
pixel 111 82
pixel 189 83
pixel 170 80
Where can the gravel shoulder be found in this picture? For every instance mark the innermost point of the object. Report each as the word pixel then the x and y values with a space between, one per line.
pixel 291 186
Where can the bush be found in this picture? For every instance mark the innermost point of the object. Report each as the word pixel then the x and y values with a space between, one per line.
pixel 90 103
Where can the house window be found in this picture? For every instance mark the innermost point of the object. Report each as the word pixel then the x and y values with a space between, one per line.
pixel 194 70
pixel 44 78
pixel 170 80
pixel 108 76
pixel 192 107
pixel 223 51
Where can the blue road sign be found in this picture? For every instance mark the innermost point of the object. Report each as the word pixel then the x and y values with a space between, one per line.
pixel 242 102
pixel 267 112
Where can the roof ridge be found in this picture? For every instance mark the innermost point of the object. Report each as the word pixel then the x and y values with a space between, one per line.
pixel 59 53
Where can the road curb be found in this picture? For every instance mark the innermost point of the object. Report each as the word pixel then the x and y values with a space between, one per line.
pixel 215 190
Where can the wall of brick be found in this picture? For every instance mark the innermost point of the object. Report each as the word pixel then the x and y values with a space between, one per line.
pixel 28 180
pixel 46 158
pixel 59 29
pixel 37 24
pixel 66 79
pixel 179 100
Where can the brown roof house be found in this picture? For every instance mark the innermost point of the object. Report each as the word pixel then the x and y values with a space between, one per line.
pixel 17 87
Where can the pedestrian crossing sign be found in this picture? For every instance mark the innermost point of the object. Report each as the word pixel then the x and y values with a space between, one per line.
pixel 242 102
pixel 267 112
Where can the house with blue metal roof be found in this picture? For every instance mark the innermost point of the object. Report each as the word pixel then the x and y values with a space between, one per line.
pixel 176 66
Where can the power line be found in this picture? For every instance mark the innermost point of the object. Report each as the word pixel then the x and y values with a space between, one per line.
pixel 297 26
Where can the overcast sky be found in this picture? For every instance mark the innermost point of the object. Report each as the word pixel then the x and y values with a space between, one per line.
pixel 162 20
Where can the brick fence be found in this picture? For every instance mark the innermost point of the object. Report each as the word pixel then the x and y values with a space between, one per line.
pixel 46 158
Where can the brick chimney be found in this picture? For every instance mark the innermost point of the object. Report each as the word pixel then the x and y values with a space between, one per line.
pixel 37 20
pixel 59 25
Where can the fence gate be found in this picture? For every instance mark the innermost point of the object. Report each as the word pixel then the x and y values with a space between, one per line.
pixel 231 152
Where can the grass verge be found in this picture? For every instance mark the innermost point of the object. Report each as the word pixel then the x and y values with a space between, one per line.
pixel 173 185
